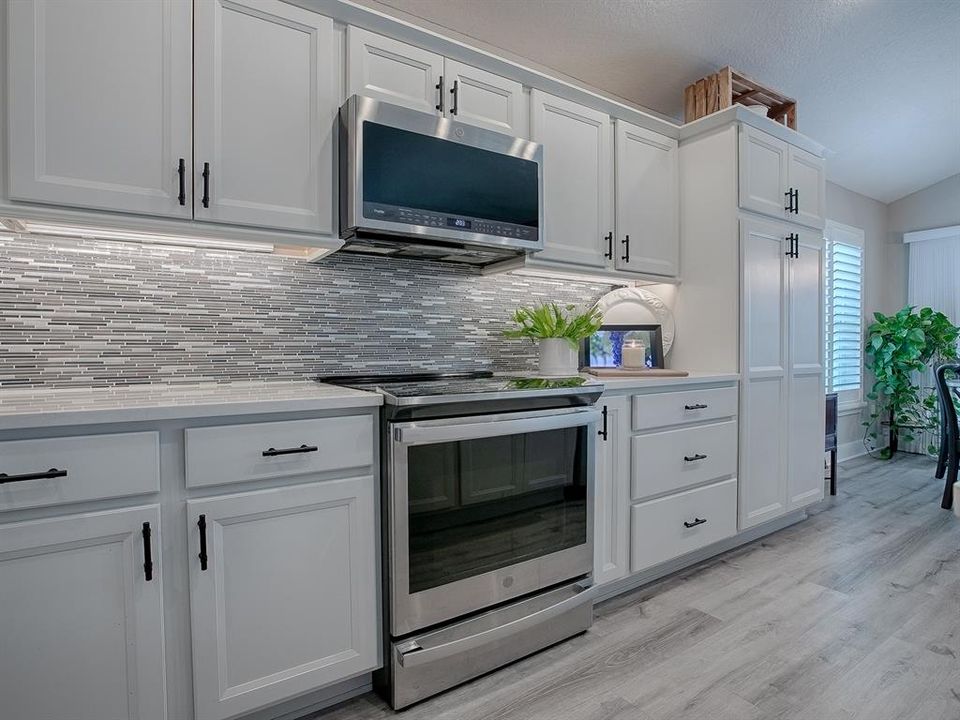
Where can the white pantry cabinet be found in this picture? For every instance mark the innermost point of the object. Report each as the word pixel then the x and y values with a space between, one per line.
pixel 577 201
pixel 81 625
pixel 283 592
pixel 782 387
pixel 264 113
pixel 612 492
pixel 647 202
pixel 780 180
pixel 396 72
pixel 99 104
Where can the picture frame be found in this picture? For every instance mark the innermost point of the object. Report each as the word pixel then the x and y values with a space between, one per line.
pixel 603 349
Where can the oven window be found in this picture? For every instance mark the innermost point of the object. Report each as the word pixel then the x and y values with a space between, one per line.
pixel 403 169
pixel 479 505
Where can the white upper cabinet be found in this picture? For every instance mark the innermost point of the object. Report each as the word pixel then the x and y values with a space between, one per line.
pixel 386 69
pixel 81 625
pixel 285 601
pixel 99 104
pixel 763 172
pixel 806 372
pixel 807 181
pixel 763 416
pixel 780 180
pixel 578 217
pixel 481 98
pixel 647 202
pixel 265 111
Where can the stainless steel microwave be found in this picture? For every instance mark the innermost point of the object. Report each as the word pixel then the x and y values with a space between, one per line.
pixel 414 184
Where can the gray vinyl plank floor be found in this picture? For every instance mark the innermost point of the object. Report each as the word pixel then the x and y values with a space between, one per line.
pixel 852 614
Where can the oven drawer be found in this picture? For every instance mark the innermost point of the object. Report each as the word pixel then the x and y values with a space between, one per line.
pixel 672 460
pixel 681 407
pixel 671 526
pixel 55 471
pixel 256 451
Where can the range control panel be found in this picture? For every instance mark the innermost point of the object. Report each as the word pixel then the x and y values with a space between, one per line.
pixel 426 218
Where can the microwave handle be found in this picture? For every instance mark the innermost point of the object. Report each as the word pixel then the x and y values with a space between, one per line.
pixel 453 430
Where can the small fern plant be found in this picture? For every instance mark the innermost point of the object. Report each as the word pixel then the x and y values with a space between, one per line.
pixel 549 320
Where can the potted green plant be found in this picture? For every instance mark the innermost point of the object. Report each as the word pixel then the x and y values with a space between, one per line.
pixel 558 332
pixel 898 349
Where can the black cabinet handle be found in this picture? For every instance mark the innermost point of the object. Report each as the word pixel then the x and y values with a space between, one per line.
pixel 789 195
pixel 696 406
pixel 182 172
pixel 796 201
pixel 796 245
pixel 147 553
pixel 603 430
pixel 202 524
pixel 273 452
pixel 439 87
pixel 51 473
pixel 609 238
pixel 626 248
pixel 455 91
pixel 696 521
pixel 694 458
pixel 206 185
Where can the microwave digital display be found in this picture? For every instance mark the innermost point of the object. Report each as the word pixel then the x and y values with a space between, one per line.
pixel 459 223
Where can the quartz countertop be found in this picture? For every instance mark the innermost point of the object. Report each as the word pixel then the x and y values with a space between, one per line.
pixel 49 407
pixel 640 382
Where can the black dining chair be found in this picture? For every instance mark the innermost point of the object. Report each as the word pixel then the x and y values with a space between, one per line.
pixel 949 460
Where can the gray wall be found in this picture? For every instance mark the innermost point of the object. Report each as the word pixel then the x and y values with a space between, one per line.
pixel 86 313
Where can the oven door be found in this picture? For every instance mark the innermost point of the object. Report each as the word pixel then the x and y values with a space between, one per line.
pixel 487 508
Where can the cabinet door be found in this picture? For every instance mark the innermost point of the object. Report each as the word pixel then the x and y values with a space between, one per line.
pixel 288 600
pixel 267 145
pixel 81 627
pixel 763 352
pixel 763 172
pixel 576 179
pixel 481 98
pixel 386 69
pixel 99 104
pixel 806 373
pixel 647 202
pixel 612 493
pixel 807 179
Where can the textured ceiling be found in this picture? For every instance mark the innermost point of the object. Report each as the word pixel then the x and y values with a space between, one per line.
pixel 877 81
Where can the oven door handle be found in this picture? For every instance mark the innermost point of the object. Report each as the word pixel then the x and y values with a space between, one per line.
pixel 422 433
pixel 416 655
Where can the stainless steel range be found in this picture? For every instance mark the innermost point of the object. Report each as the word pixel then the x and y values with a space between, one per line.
pixel 487 522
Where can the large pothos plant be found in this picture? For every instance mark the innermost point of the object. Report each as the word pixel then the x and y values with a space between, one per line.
pixel 899 349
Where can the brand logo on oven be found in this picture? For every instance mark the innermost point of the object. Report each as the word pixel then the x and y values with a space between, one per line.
pixel 507 581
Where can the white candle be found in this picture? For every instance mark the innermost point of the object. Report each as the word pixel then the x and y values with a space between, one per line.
pixel 634 355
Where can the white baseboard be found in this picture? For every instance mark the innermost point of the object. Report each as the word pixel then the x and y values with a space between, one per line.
pixel 850 450
pixel 645 577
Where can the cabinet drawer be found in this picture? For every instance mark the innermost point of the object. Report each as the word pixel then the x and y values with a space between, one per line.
pixel 672 526
pixel 672 460
pixel 55 471
pixel 237 453
pixel 683 406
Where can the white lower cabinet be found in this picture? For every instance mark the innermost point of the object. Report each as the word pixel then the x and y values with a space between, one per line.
pixel 612 492
pixel 671 526
pixel 81 619
pixel 283 592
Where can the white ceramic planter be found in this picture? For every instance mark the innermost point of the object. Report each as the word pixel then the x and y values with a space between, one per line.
pixel 558 358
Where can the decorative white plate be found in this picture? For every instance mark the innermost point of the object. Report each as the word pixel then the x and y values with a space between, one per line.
pixel 636 306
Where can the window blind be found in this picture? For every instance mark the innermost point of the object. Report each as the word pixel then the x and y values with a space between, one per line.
pixel 844 322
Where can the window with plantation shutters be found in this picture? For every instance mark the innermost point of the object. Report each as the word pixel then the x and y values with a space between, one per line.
pixel 843 284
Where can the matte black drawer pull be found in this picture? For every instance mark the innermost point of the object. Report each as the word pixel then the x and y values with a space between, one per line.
pixel 796 201
pixel 439 87
pixel 202 524
pixel 626 249
pixel 51 473
pixel 697 406
pixel 456 97
pixel 789 196
pixel 694 458
pixel 272 452
pixel 205 201
pixel 182 172
pixel 603 431
pixel 609 238
pixel 147 553
pixel 696 521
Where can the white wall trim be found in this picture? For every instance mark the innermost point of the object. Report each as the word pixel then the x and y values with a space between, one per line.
pixel 951 231
pixel 850 450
